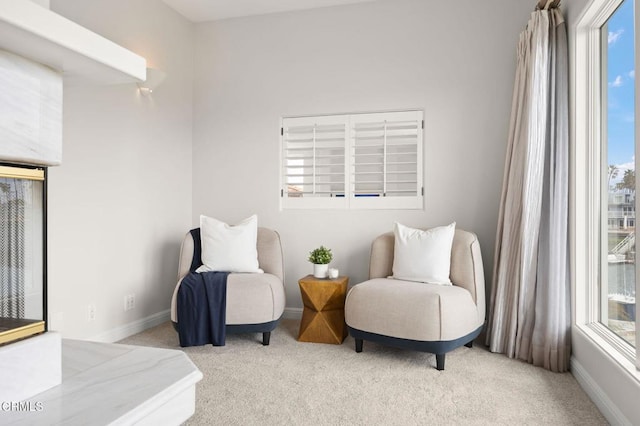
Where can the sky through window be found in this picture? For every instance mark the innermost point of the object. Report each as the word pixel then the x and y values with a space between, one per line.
pixel 621 82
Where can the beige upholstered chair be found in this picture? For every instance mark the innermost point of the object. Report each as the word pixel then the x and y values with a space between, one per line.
pixel 255 302
pixel 413 315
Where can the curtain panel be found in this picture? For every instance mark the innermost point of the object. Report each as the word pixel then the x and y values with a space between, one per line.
pixel 529 311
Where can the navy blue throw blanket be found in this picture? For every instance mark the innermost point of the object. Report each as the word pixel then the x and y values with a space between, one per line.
pixel 196 260
pixel 202 304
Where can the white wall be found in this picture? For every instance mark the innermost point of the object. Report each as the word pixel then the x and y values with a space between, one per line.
pixel 121 201
pixel 615 391
pixel 455 60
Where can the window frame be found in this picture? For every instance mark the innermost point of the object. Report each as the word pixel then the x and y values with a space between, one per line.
pixel 350 200
pixel 589 118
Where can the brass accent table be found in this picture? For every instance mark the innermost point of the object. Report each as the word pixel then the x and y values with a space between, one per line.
pixel 323 314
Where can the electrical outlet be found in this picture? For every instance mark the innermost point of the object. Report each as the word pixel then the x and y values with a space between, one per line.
pixel 129 302
pixel 91 311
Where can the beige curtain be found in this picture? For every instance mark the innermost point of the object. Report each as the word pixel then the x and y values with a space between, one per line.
pixel 529 311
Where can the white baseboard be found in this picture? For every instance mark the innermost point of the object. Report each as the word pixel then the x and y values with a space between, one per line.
pixel 292 313
pixel 608 409
pixel 143 324
pixel 132 328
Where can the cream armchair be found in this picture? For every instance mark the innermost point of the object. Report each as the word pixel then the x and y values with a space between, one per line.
pixel 255 302
pixel 413 315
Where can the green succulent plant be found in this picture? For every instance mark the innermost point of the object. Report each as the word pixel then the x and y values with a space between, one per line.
pixel 320 256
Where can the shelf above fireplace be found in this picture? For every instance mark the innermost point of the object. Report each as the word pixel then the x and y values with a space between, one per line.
pixel 82 56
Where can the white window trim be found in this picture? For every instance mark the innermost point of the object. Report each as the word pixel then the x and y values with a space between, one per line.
pixel 587 184
pixel 349 201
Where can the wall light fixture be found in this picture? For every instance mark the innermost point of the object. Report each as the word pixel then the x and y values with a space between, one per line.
pixel 155 77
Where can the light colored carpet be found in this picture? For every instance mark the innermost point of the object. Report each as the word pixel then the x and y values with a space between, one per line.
pixel 293 383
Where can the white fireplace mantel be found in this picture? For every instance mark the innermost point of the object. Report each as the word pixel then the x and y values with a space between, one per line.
pixel 82 56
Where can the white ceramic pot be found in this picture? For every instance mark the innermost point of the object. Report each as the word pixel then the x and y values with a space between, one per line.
pixel 320 271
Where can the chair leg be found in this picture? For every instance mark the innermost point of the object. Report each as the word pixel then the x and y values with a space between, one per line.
pixel 266 336
pixel 440 361
pixel 358 345
pixel 470 344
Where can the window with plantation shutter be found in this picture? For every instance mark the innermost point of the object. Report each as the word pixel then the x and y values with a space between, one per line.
pixel 314 167
pixel 368 161
pixel 386 160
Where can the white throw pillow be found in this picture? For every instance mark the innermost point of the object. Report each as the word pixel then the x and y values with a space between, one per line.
pixel 229 248
pixel 423 256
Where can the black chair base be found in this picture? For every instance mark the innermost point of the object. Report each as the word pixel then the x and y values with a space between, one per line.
pixel 439 348
pixel 264 328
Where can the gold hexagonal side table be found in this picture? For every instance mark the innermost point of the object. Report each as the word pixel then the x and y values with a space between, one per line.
pixel 323 314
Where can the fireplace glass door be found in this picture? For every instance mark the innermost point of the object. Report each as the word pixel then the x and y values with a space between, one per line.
pixel 22 253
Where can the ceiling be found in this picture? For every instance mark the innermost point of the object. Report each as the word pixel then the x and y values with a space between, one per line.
pixel 213 10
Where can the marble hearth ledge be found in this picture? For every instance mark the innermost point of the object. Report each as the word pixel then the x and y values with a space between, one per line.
pixel 112 384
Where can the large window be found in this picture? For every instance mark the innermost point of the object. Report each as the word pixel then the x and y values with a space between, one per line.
pixel 618 282
pixel 605 143
pixel 353 161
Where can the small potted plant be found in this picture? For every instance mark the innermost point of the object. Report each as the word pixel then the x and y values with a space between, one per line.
pixel 320 258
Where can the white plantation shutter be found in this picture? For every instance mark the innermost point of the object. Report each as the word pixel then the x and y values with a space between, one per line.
pixel 314 167
pixel 386 160
pixel 353 161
